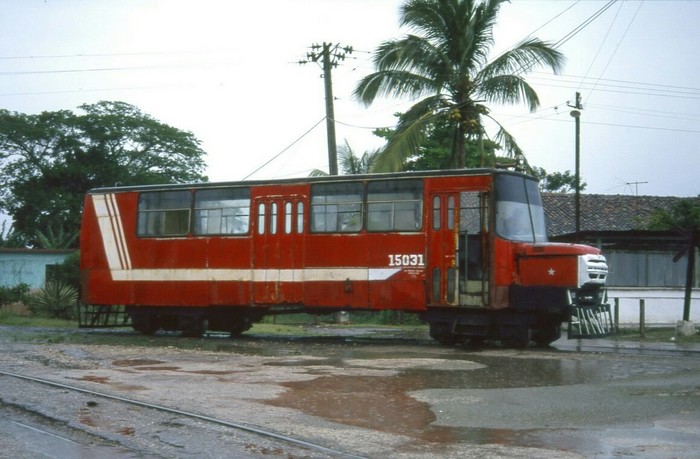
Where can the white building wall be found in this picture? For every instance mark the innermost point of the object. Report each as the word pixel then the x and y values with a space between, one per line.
pixel 661 305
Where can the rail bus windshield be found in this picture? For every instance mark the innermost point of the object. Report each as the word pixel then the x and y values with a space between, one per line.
pixel 519 210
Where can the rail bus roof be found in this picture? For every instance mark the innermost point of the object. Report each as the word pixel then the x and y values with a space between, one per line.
pixel 312 179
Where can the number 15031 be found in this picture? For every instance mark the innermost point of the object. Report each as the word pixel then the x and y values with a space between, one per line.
pixel 406 259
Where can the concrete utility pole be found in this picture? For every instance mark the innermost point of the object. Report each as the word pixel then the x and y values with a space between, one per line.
pixel 328 54
pixel 576 114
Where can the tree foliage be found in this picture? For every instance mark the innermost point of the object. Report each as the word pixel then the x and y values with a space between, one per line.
pixel 350 163
pixel 683 218
pixel 48 161
pixel 8 237
pixel 434 152
pixel 445 66
pixel 557 182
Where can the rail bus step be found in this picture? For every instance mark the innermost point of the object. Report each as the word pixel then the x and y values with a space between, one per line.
pixel 590 322
pixel 100 316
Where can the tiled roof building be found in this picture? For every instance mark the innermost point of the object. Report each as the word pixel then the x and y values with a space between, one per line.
pixel 619 225
pixel 602 213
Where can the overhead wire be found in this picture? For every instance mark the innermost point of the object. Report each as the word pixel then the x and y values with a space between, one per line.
pixel 286 148
pixel 629 26
pixel 602 42
pixel 583 25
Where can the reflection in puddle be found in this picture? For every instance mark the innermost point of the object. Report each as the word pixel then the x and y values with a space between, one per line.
pixel 399 400
pixel 377 403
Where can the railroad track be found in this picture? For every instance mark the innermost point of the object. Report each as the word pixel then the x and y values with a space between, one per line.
pixel 251 429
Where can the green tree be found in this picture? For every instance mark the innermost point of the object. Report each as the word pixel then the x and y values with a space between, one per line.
pixel 48 161
pixel 557 182
pixel 434 153
pixel 8 237
pixel 445 65
pixel 684 218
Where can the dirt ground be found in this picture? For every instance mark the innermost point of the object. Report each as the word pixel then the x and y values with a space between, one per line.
pixel 372 398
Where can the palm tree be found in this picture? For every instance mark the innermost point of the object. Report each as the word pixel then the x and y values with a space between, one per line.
pixel 446 63
pixel 351 164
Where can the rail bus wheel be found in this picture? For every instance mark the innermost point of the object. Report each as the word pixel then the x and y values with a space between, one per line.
pixel 442 333
pixel 517 337
pixel 239 323
pixel 477 340
pixel 146 324
pixel 546 335
pixel 194 327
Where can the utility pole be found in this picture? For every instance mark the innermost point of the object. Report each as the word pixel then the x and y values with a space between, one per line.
pixel 576 114
pixel 328 55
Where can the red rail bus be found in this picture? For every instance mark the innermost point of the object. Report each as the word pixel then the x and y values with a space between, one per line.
pixel 467 250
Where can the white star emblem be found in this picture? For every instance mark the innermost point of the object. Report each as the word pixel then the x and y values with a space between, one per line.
pixel 551 271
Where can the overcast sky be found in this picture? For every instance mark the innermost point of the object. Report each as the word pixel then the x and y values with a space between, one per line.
pixel 228 72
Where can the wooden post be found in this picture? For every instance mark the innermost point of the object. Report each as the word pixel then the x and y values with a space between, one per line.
pixel 617 315
pixel 642 331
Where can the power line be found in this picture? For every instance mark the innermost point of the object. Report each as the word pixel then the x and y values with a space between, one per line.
pixel 81 55
pixel 599 123
pixel 602 43
pixel 286 148
pixel 624 82
pixel 575 31
pixel 648 112
pixel 623 89
pixel 629 26
pixel 583 25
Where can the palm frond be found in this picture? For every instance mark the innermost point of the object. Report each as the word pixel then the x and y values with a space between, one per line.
pixel 525 56
pixel 447 56
pixel 509 89
pixel 318 173
pixel 408 138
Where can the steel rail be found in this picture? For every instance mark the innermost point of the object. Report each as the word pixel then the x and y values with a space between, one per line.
pixel 234 425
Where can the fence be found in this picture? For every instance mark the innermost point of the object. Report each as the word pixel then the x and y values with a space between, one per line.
pixel 642 315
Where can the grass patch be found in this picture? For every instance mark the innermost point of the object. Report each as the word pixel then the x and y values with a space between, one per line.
pixel 654 335
pixel 296 325
pixel 20 320
pixel 267 328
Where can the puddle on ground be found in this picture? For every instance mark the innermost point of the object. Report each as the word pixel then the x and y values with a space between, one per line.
pixel 116 385
pixel 383 402
pixel 135 362
pixel 377 403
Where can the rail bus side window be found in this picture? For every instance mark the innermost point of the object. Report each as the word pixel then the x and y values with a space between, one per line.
pixel 436 213
pixel 395 205
pixel 164 213
pixel 450 212
pixel 300 217
pixel 223 211
pixel 273 218
pixel 336 207
pixel 261 218
pixel 288 217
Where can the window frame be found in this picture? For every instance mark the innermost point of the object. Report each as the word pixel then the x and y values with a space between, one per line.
pixel 238 195
pixel 153 220
pixel 342 202
pixel 394 199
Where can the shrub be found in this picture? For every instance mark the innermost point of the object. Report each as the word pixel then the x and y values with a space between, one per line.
pixel 56 300
pixel 67 272
pixel 16 294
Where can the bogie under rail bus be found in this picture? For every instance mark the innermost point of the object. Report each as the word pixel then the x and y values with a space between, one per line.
pixel 466 250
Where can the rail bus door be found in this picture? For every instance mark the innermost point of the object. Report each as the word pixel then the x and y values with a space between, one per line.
pixel 443 247
pixel 473 249
pixel 458 249
pixel 278 249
